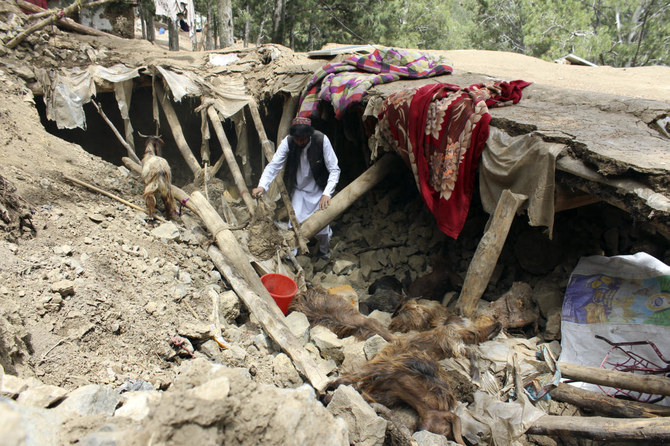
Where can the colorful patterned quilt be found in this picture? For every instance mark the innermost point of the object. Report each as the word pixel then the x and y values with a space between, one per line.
pixel 347 82
pixel 440 131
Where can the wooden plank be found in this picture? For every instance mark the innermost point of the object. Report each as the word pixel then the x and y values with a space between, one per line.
pixel 606 405
pixel 268 151
pixel 176 129
pixel 601 428
pixel 347 196
pixel 567 199
pixel 234 264
pixel 487 253
pixel 230 159
pixel 651 384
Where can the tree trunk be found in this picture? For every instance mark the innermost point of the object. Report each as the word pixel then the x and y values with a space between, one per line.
pixel 173 35
pixel 143 21
pixel 247 27
pixel 225 13
pixel 151 26
pixel 209 34
pixel 278 22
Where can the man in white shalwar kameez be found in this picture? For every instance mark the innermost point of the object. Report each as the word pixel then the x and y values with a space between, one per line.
pixel 311 174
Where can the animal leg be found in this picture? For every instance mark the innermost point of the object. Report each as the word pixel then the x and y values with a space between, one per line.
pixel 150 200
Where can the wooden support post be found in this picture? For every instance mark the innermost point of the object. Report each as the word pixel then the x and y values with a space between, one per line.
pixel 347 196
pixel 288 112
pixel 606 405
pixel 268 152
pixel 487 253
pixel 124 143
pixel 230 159
pixel 242 146
pixel 600 428
pixel 233 263
pixel 176 129
pixel 651 384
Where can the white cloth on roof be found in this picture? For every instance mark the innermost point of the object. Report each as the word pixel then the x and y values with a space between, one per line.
pixel 307 194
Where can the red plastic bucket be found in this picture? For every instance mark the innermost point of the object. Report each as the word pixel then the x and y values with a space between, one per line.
pixel 282 289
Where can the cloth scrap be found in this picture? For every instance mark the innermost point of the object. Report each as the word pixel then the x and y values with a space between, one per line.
pixel 440 131
pixel 346 83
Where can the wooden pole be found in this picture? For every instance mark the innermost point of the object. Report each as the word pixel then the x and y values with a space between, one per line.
pixel 64 22
pixel 269 153
pixel 124 143
pixel 651 384
pixel 176 129
pixel 606 405
pixel 487 253
pixel 347 196
pixel 600 428
pixel 288 112
pixel 233 263
pixel 230 159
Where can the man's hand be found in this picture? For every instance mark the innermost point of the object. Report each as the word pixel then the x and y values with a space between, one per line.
pixel 324 202
pixel 259 191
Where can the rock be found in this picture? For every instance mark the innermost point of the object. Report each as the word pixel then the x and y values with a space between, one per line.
pixel 299 325
pixel 96 218
pixel 548 296
pixel 185 277
pixel 365 427
pixel 327 342
pixel 63 287
pixel 229 306
pixel 90 400
pixel 425 438
pixel 354 355
pixel 136 405
pixel 106 435
pixel 264 343
pixel 151 307
pixel 216 389
pixel 196 331
pixel 326 366
pixel 417 263
pixel 553 329
pixel 368 261
pixel 41 395
pixel 284 373
pixel 373 346
pixel 28 426
pixel 167 231
pixel 179 292
pixel 12 386
pixel 64 250
pixel 381 316
pixel 342 266
pixel 234 356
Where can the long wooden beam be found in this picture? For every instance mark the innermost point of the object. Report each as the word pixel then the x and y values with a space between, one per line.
pixel 601 428
pixel 65 22
pixel 487 253
pixel 176 129
pixel 230 159
pixel 346 197
pixel 651 384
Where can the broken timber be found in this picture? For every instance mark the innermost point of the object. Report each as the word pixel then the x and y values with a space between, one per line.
pixel 64 22
pixel 268 152
pixel 651 384
pixel 230 159
pixel 124 143
pixel 347 196
pixel 601 428
pixel 487 253
pixel 607 405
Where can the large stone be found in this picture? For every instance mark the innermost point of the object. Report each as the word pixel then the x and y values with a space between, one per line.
pixel 328 343
pixel 28 426
pixel 284 373
pixel 229 306
pixel 197 331
pixel 382 317
pixel 299 325
pixel 136 405
pixel 167 231
pixel 354 356
pixel 63 287
pixel 548 296
pixel 373 346
pixel 369 262
pixel 553 329
pixel 365 427
pixel 215 389
pixel 41 395
pixel 425 438
pixel 342 266
pixel 90 400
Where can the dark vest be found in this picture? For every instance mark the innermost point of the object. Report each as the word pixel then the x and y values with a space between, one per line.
pixel 317 163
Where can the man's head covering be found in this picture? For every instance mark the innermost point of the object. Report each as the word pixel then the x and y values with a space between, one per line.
pixel 301 127
pixel 301 120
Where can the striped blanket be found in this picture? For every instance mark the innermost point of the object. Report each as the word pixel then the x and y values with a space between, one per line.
pixel 440 131
pixel 347 82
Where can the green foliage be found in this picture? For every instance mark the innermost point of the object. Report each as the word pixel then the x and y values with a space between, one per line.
pixel 613 32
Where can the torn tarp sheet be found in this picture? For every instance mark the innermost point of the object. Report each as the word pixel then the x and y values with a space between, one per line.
pixel 346 83
pixel 440 130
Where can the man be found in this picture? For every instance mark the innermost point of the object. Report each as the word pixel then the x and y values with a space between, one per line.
pixel 311 174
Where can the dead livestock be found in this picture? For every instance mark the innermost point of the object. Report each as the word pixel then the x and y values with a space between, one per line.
pixel 386 294
pixel 413 378
pixel 157 177
pixel 338 315
pixel 418 315
pixel 435 284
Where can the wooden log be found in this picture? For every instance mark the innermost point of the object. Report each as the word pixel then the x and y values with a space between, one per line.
pixel 233 263
pixel 64 22
pixel 288 112
pixel 606 405
pixel 53 19
pixel 601 428
pixel 176 129
pixel 347 196
pixel 487 253
pixel 651 384
pixel 269 153
pixel 230 159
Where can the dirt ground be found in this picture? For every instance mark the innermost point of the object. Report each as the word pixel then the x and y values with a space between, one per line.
pixel 95 293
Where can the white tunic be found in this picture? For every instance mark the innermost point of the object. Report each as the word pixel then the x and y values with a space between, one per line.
pixel 307 193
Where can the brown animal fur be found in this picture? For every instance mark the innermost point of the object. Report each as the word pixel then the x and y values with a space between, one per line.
pixel 435 284
pixel 413 378
pixel 419 315
pixel 338 315
pixel 157 177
